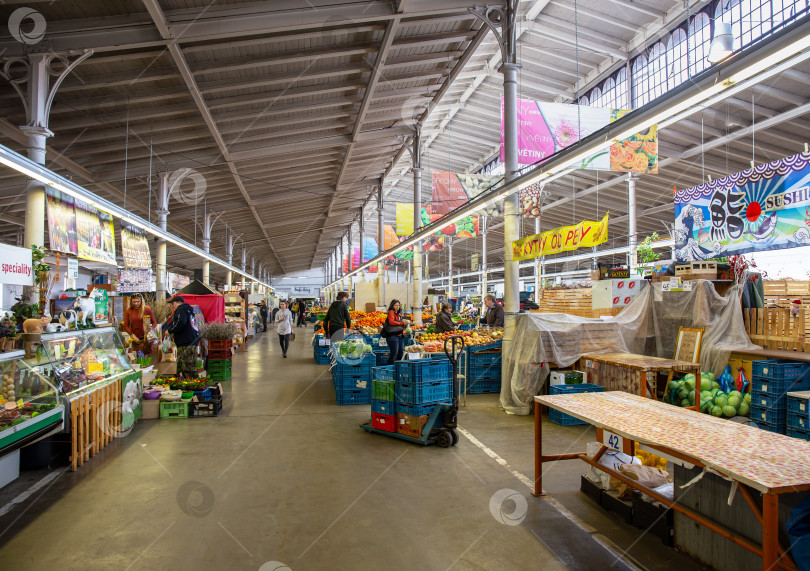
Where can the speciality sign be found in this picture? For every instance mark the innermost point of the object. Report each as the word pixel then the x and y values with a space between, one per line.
pixel 584 234
pixel 765 208
pixel 16 266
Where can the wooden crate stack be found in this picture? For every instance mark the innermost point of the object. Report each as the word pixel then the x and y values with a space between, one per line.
pixel 571 301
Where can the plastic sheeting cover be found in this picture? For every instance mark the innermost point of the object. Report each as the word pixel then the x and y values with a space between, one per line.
pixel 647 326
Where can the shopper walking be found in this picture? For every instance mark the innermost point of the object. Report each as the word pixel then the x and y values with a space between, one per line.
pixel 135 318
pixel 293 308
pixel 337 317
pixel 263 312
pixel 393 331
pixel 444 324
pixel 302 310
pixel 182 326
pixel 284 321
pixel 494 315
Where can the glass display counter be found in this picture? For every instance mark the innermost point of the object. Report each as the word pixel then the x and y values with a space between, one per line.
pixel 31 406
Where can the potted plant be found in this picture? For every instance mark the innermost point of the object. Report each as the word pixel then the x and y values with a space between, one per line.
pixel 8 334
pixel 645 255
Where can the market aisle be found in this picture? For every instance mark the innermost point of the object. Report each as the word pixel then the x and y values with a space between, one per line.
pixel 287 476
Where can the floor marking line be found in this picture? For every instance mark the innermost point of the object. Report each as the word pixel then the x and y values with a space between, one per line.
pixel 30 491
pixel 606 543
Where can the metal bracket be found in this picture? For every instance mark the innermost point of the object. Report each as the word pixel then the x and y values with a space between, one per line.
pixel 502 22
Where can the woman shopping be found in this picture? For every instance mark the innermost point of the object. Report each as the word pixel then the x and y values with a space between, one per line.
pixel 393 330
pixel 135 318
pixel 284 319
pixel 444 323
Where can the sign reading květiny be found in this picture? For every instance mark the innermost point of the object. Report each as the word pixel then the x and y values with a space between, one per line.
pixel 585 234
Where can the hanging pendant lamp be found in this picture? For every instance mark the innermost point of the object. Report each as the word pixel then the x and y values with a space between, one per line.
pixel 722 43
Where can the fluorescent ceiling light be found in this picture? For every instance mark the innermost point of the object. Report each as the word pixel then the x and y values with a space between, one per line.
pixel 33 170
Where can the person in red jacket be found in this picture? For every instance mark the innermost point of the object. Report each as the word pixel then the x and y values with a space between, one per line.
pixel 393 329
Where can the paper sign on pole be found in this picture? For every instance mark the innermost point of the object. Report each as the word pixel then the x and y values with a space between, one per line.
pixel 73 268
pixel 585 234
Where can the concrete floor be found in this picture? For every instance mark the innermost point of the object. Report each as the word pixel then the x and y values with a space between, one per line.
pixel 286 479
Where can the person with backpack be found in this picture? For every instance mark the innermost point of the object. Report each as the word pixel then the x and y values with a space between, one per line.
pixel 393 331
pixel 183 327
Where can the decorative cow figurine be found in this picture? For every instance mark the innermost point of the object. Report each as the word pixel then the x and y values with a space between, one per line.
pixel 87 307
pixel 68 318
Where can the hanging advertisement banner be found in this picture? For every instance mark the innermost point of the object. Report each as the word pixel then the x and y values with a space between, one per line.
pixel 760 209
pixel 474 262
pixel 61 222
pixel 94 234
pixel 546 128
pixel 390 240
pixel 585 234
pixel 404 218
pixel 16 265
pixel 135 248
pixel 134 280
pixel 467 227
pixel 451 190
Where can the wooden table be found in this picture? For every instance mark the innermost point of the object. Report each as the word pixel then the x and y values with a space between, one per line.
pixel 631 373
pixel 756 460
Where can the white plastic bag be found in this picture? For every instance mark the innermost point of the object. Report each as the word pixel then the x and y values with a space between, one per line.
pixel 611 459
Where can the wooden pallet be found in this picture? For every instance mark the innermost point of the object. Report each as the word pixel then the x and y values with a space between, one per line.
pixel 94 420
pixel 571 301
pixel 782 294
pixel 776 328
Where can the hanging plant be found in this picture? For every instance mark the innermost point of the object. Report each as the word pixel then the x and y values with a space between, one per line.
pixel 645 255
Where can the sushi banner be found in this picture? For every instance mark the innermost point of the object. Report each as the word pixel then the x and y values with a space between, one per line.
pixel 760 209
pixel 566 238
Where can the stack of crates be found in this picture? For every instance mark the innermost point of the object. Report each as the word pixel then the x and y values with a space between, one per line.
pixel 798 415
pixel 321 351
pixel 561 418
pixel 484 368
pixel 420 385
pixel 383 399
pixel 219 359
pixel 771 381
pixel 353 382
pixel 381 352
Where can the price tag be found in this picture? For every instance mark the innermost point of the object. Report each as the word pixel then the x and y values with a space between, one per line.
pixel 588 363
pixel 412 356
pixel 95 368
pixel 20 403
pixel 382 342
pixel 613 441
pixel 687 286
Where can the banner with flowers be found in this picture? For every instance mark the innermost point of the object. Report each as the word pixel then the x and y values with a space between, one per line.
pixel 547 128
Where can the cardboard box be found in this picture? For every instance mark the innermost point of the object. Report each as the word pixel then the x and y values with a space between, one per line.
pixel 411 425
pixel 567 377
pixel 151 409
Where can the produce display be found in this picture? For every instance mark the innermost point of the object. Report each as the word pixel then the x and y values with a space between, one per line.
pixel 713 399
pixel 434 342
pixel 350 349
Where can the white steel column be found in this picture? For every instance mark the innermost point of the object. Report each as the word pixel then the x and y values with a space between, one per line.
pixel 208 224
pixel 163 213
pixel 483 258
pixel 362 228
pixel 350 262
pixel 537 265
pixel 340 266
pixel 381 277
pixel 416 276
pixel 449 241
pixel 631 221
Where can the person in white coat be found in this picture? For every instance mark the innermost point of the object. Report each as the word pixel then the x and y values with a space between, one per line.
pixel 284 320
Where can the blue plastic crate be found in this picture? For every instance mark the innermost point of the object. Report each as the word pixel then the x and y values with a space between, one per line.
pixel 800 434
pixel 372 339
pixel 775 428
pixel 484 372
pixel 484 358
pixel 425 392
pixel 384 407
pixel 417 409
pixel 563 419
pixel 353 397
pixel 439 356
pixel 350 378
pixel 367 360
pixel 798 421
pixel 484 346
pixel 466 326
pixel 775 417
pixel 322 360
pixel 383 373
pixel 798 405
pixel 382 358
pixel 484 387
pixel 203 395
pixel 769 401
pixel 779 376
pixel 423 370
pixel 571 389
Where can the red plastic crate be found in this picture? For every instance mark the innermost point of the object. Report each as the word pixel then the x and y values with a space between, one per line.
pixel 387 422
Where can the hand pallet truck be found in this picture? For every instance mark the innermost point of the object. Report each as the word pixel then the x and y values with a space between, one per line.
pixel 440 426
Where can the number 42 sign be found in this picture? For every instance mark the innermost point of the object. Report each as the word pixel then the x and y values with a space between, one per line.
pixel 613 441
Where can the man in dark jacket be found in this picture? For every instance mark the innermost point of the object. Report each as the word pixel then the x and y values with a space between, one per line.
pixel 182 326
pixel 263 314
pixel 444 324
pixel 337 317
pixel 494 314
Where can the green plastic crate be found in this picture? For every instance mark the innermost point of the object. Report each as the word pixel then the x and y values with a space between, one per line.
pixel 219 365
pixel 384 390
pixel 177 409
pixel 219 375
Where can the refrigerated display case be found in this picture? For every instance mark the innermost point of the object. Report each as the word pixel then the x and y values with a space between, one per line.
pixel 31 406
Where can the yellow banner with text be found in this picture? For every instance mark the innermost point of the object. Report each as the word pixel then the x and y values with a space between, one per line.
pixel 586 233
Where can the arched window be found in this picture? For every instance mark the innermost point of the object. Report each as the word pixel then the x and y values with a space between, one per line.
pixel 657 70
pixel 700 38
pixel 596 98
pixel 584 100
pixel 676 59
pixel 641 82
pixel 609 93
pixel 622 99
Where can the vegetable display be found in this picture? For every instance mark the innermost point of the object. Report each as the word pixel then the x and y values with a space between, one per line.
pixel 713 400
